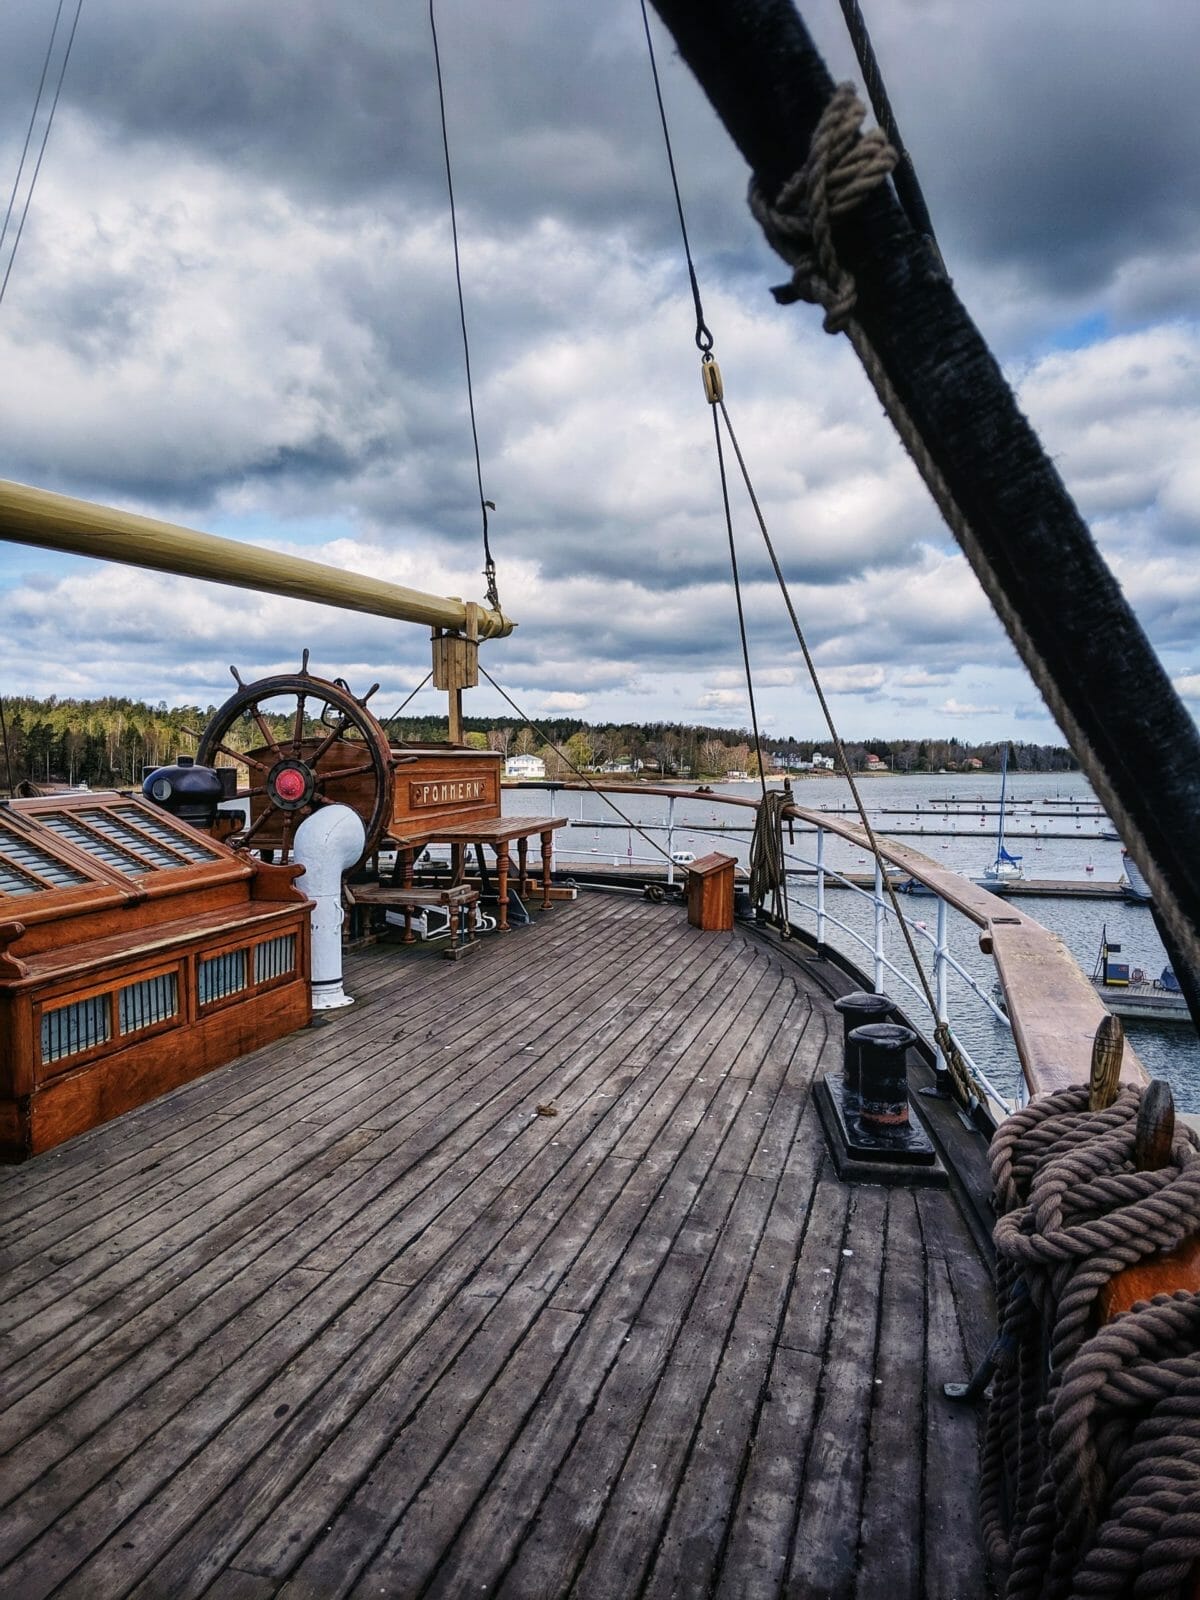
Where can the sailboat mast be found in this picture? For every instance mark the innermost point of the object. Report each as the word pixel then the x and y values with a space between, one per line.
pixel 1003 791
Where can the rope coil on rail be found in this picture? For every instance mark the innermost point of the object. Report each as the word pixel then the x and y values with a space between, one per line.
pixel 1091 1465
pixel 768 876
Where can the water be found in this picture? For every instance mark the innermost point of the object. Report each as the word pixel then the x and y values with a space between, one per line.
pixel 966 843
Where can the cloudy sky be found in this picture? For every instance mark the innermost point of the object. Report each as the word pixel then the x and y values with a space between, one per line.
pixel 234 307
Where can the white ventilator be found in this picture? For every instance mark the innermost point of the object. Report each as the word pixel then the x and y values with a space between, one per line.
pixel 327 843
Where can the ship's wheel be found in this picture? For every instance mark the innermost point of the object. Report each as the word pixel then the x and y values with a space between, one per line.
pixel 305 742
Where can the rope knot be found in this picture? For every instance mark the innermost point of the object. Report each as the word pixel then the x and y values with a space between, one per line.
pixel 842 168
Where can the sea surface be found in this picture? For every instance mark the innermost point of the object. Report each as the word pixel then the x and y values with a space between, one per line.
pixel 1052 821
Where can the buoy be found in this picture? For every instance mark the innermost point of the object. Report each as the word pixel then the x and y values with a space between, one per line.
pixel 1089 867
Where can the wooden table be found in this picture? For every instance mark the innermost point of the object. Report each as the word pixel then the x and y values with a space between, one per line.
pixel 498 833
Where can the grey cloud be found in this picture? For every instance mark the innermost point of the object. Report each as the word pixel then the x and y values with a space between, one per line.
pixel 1059 138
pixel 258 316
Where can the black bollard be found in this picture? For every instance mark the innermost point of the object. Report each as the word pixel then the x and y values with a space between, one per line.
pixel 858 1009
pixel 883 1075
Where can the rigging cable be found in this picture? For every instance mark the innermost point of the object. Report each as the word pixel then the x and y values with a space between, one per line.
pixel 37 100
pixel 389 720
pixel 62 72
pixel 489 566
pixel 904 178
pixel 714 391
pixel 704 339
pixel 712 384
pixel 579 773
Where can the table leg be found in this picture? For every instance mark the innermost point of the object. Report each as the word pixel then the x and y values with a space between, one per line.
pixel 502 886
pixel 523 864
pixel 547 856
pixel 404 866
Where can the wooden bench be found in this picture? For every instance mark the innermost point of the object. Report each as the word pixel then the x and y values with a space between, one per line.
pixel 496 832
pixel 458 900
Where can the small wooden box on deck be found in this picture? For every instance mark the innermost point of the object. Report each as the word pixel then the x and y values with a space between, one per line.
pixel 710 893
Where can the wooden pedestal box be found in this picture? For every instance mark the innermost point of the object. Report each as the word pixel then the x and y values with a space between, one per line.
pixel 445 783
pixel 136 953
pixel 710 893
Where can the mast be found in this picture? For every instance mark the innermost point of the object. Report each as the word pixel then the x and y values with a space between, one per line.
pixel 1028 545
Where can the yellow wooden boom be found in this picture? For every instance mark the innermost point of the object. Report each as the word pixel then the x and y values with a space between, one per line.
pixel 57 522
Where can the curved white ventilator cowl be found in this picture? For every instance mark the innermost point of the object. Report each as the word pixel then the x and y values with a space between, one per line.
pixel 327 843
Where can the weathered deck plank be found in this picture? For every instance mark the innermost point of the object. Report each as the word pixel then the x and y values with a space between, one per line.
pixel 348 1317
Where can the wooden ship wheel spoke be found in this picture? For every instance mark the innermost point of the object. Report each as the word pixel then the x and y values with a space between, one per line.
pixel 303 743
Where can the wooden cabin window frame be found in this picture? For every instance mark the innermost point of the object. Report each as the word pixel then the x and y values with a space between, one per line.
pixel 138 822
pixel 69 994
pixel 67 1058
pixel 98 886
pixel 279 979
pixel 247 944
pixel 76 994
pixel 164 1024
pixel 233 997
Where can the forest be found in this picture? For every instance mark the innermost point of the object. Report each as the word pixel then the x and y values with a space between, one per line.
pixel 114 741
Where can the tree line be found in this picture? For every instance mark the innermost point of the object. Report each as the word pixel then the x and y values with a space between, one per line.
pixel 113 740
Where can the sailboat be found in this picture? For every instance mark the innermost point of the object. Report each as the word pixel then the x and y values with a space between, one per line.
pixel 1004 868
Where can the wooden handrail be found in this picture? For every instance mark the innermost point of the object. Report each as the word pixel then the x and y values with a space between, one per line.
pixel 1053 1009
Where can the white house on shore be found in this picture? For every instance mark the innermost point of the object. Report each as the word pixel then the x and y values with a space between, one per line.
pixel 524 767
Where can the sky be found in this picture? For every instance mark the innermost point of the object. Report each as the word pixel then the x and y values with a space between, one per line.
pixel 234 307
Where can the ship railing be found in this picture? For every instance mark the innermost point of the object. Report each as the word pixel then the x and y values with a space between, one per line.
pixel 1048 1004
pixel 886 973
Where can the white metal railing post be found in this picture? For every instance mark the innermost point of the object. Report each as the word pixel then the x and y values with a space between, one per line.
pixel 879 926
pixel 941 992
pixel 820 888
pixel 554 834
pixel 670 841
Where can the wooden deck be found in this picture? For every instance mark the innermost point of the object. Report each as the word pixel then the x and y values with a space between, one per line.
pixel 350 1317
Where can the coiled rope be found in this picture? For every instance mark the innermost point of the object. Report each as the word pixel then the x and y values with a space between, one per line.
pixel 768 875
pixel 1090 1480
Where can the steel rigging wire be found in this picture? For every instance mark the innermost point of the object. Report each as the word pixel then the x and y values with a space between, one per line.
pixel 489 566
pixel 714 393
pixel 33 115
